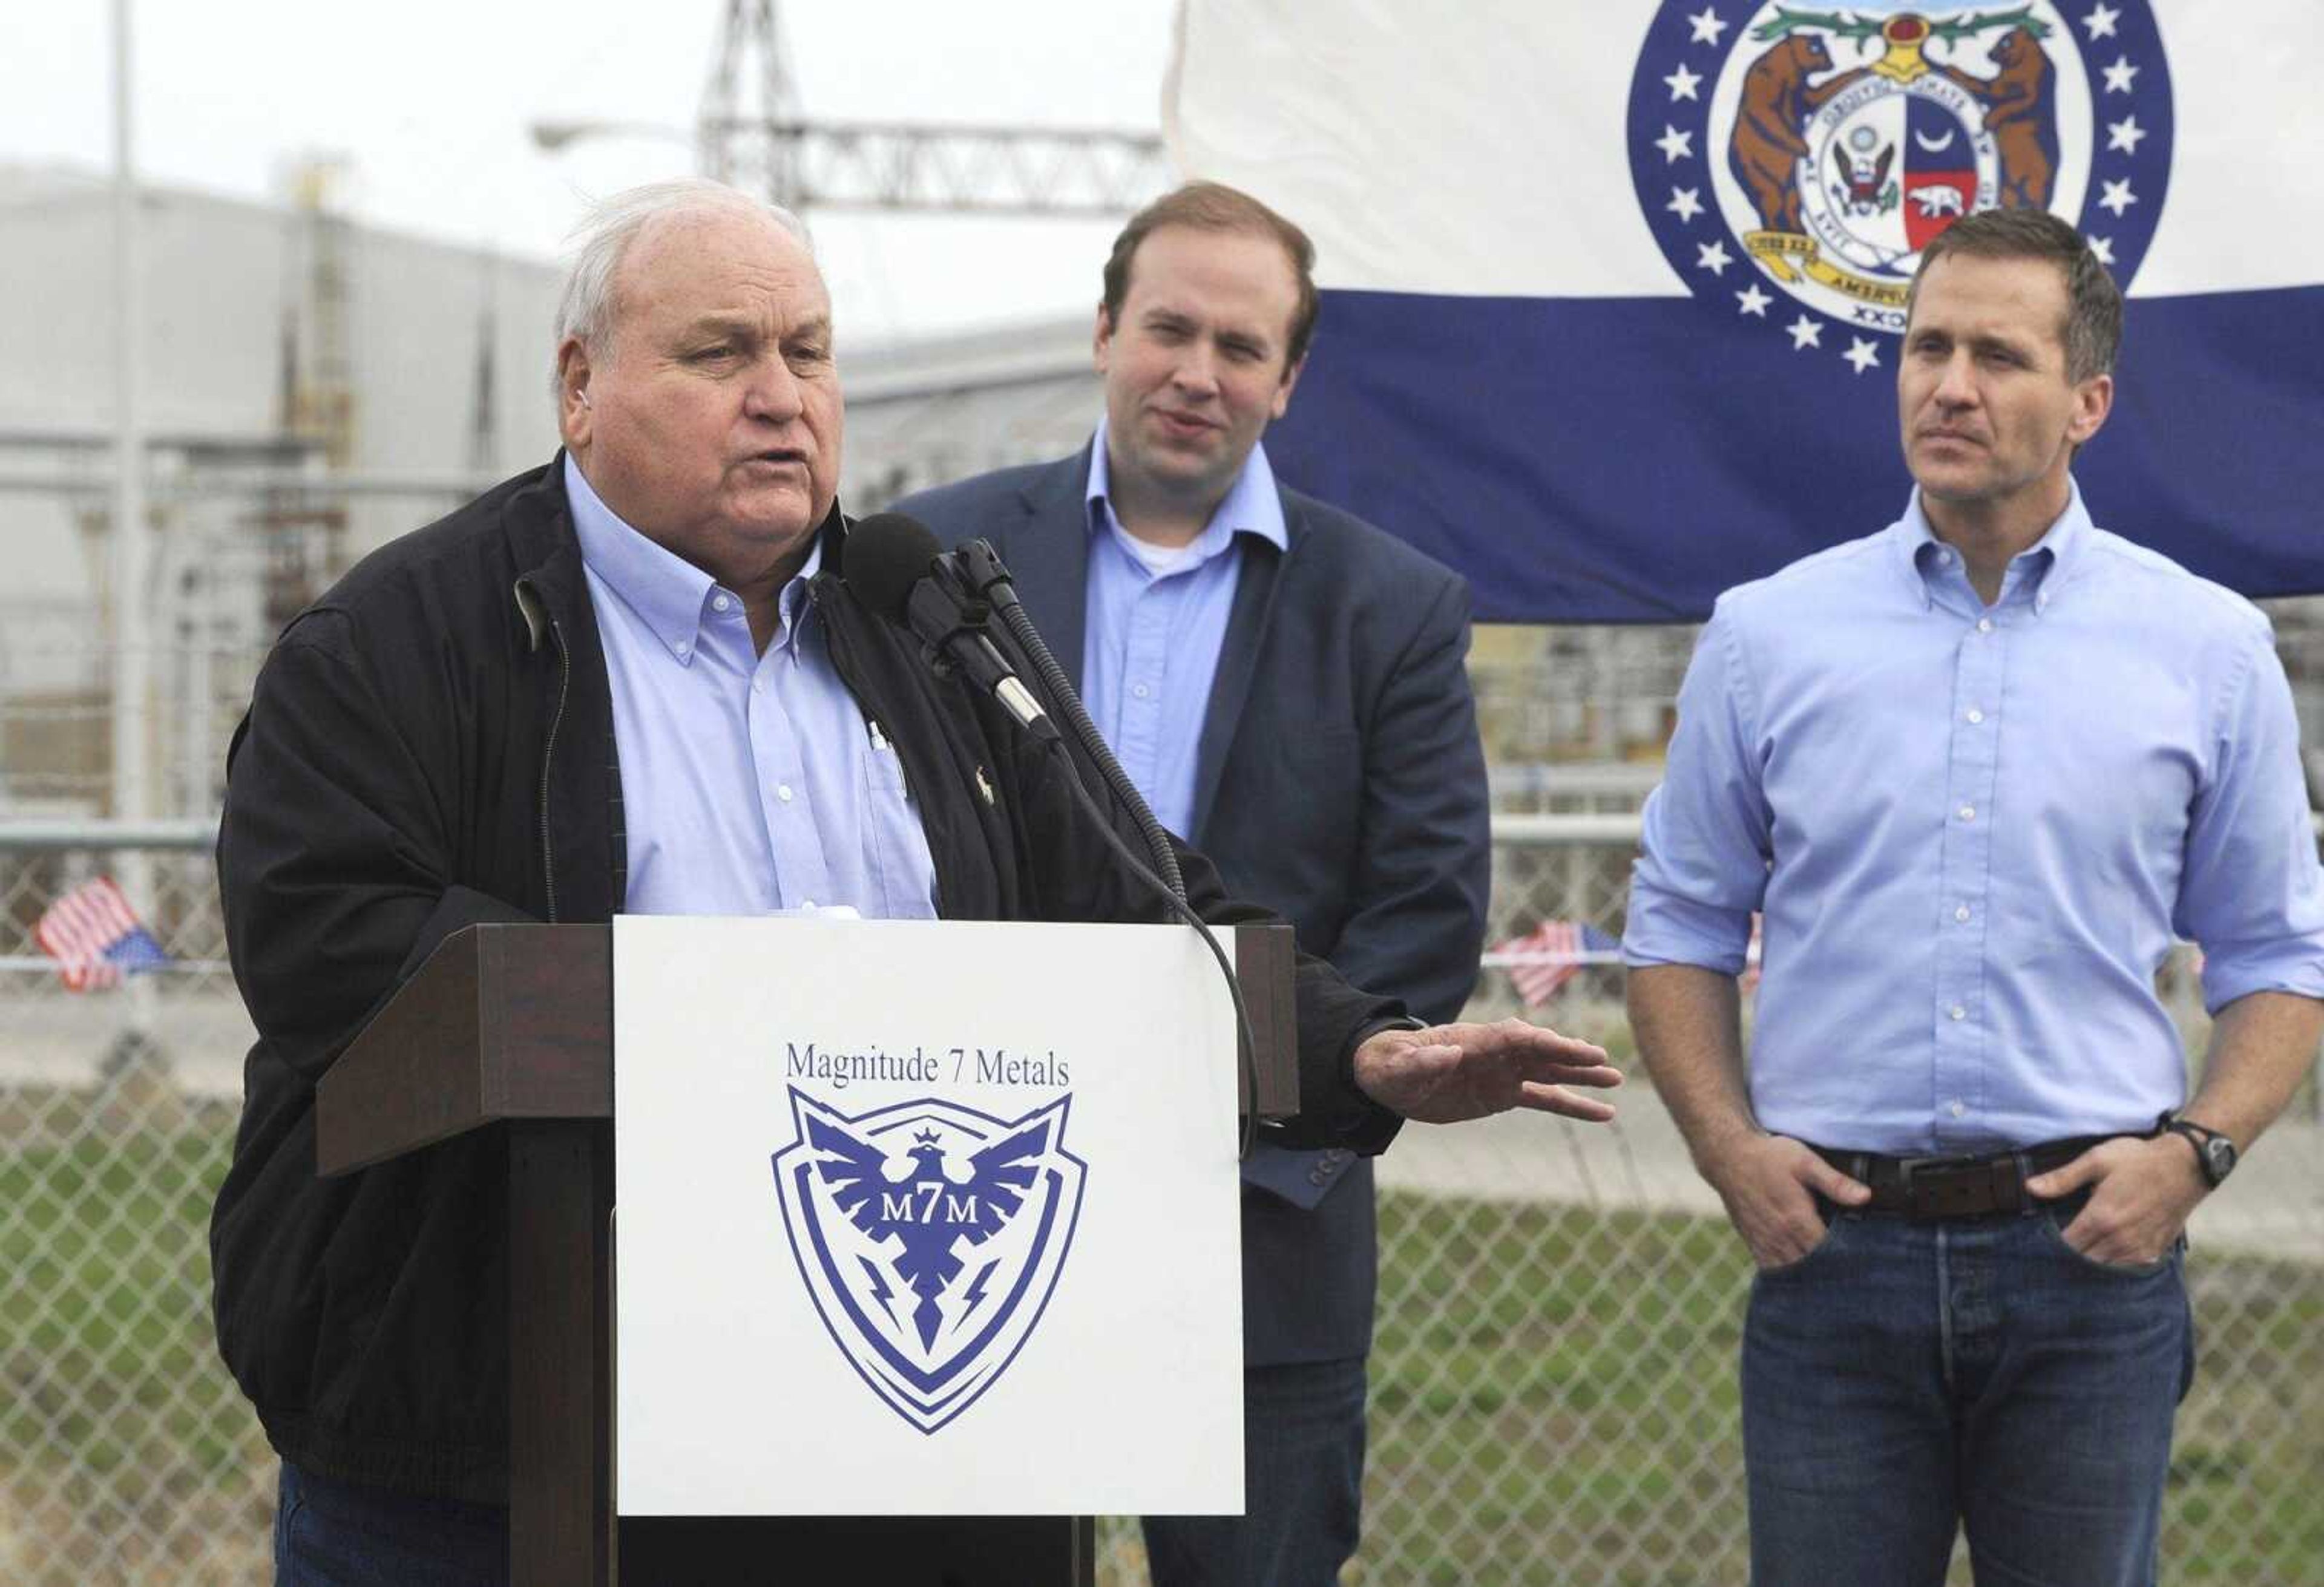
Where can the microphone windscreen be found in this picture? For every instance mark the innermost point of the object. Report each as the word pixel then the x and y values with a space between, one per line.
pixel 887 553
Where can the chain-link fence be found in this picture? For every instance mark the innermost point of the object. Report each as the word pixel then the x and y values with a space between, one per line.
pixel 126 1453
pixel 1553 1390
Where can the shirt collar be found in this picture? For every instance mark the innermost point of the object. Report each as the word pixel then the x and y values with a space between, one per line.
pixel 2047 565
pixel 1252 505
pixel 668 593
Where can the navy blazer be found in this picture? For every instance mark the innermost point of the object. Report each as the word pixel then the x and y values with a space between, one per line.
pixel 1339 782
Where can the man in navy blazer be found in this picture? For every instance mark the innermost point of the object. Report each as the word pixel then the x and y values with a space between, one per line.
pixel 1284 683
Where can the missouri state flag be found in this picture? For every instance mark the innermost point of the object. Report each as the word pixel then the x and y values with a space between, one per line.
pixel 1614 291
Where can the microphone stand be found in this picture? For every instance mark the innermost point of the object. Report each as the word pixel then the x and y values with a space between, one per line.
pixel 982 581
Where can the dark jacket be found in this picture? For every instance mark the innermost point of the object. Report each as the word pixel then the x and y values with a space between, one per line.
pixel 430 745
pixel 1339 782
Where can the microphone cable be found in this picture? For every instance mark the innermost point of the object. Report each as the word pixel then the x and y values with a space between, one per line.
pixel 1246 1043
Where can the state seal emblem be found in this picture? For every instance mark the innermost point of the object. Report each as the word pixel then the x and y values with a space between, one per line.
pixel 1782 152
pixel 930 1237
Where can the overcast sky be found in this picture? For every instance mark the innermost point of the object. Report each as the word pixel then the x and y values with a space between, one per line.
pixel 428 101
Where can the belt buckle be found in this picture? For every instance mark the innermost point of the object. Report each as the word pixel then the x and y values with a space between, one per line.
pixel 1949 1186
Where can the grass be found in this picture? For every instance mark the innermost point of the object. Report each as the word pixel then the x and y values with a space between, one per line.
pixel 126 1453
pixel 1554 1401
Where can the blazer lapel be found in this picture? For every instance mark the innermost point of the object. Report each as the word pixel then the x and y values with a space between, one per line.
pixel 1048 558
pixel 1247 625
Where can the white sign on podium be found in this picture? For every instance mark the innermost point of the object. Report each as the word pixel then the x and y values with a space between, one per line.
pixel 924 1217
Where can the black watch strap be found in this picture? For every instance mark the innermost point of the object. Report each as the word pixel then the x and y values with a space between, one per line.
pixel 2215 1152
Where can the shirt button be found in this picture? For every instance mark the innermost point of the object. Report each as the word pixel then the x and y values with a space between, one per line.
pixel 1957 1108
pixel 1968 813
pixel 1957 1012
pixel 1985 624
pixel 1141 691
pixel 783 792
pixel 807 904
pixel 719 604
pixel 1961 913
pixel 1975 716
pixel 1945 559
pixel 758 685
pixel 683 650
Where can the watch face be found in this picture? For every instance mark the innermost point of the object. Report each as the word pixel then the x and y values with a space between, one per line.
pixel 2218 1158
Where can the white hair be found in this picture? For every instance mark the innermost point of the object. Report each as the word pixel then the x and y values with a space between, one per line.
pixel 601 241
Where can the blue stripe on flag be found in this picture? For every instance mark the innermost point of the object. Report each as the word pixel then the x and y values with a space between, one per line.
pixel 1664 455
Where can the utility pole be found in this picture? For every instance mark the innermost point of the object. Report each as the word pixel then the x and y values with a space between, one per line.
pixel 130 562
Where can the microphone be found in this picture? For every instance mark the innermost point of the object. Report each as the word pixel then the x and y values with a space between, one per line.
pixel 897 567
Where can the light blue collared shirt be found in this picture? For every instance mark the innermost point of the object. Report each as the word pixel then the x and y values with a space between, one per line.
pixel 1150 647
pixel 1976 832
pixel 750 783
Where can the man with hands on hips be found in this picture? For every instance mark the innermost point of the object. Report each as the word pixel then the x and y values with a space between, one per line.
pixel 1978 771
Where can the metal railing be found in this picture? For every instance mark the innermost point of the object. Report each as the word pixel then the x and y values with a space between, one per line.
pixel 1553 1388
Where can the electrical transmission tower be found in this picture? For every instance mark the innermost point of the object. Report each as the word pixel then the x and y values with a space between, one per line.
pixel 751 134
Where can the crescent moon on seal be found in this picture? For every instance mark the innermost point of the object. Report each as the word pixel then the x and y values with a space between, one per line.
pixel 1935 145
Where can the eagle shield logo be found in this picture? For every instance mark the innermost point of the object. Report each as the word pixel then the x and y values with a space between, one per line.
pixel 930 1236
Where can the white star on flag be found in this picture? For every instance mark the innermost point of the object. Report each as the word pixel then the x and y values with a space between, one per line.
pixel 2118 76
pixel 1706 25
pixel 2117 197
pixel 2125 134
pixel 1675 144
pixel 1751 300
pixel 2104 248
pixel 2101 20
pixel 1683 83
pixel 1862 354
pixel 1713 257
pixel 1686 203
pixel 1806 333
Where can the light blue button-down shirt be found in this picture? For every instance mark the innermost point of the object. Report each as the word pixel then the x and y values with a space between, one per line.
pixel 1150 644
pixel 1976 832
pixel 750 783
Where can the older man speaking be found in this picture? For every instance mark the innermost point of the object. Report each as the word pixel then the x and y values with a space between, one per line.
pixel 632 680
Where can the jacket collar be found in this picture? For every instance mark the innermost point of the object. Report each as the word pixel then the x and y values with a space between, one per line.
pixel 1049 557
pixel 539 527
pixel 1051 570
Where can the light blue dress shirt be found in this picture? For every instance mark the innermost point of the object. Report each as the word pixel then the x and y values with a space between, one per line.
pixel 1976 832
pixel 1150 645
pixel 750 783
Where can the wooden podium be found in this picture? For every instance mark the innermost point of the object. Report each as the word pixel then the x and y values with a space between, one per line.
pixel 513 1026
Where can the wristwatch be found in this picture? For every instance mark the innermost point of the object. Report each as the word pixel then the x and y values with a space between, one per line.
pixel 2214 1154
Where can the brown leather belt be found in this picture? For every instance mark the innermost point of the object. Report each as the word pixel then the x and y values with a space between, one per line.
pixel 1954 1187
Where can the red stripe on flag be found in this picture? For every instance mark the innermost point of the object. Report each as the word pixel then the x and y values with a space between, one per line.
pixel 78 928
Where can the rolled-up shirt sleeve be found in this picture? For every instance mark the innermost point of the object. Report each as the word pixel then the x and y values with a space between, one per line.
pixel 1704 846
pixel 2251 892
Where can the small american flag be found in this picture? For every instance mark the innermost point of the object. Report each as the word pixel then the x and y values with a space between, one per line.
pixel 95 938
pixel 1544 959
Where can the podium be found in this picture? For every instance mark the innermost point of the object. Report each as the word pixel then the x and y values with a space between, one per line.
pixel 512 1026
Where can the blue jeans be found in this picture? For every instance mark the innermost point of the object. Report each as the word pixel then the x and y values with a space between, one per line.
pixel 1905 1379
pixel 1303 1488
pixel 334 1533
